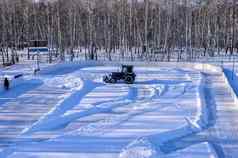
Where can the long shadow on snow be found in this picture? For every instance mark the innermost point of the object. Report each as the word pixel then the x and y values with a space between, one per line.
pixel 19 90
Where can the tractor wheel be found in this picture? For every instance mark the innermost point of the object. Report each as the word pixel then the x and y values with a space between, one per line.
pixel 129 80
pixel 113 80
pixel 105 79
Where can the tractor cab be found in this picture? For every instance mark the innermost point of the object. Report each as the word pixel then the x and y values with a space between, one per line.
pixel 127 69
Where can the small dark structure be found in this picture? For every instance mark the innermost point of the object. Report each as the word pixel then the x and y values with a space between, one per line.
pixel 6 83
pixel 126 74
pixel 37 46
pixel 38 43
pixel 18 76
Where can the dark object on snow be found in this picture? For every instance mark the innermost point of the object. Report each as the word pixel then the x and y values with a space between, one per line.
pixel 7 64
pixel 126 74
pixel 6 83
pixel 18 76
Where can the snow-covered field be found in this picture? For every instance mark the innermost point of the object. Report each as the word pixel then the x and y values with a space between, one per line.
pixel 67 111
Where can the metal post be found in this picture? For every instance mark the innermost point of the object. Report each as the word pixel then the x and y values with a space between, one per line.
pixel 38 62
pixel 233 68
pixel 28 54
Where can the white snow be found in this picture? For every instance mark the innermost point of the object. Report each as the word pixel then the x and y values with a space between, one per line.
pixel 91 119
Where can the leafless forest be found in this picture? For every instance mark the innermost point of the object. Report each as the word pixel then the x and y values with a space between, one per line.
pixel 145 27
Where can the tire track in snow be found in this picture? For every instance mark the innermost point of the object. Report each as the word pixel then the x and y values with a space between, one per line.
pixel 109 122
pixel 106 107
pixel 57 120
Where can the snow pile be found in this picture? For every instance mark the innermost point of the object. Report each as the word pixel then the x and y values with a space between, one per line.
pixel 140 148
pixel 67 83
pixel 207 68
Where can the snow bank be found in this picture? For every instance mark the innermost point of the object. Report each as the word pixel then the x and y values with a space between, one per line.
pixel 67 67
pixel 207 68
pixel 226 75
pixel 185 65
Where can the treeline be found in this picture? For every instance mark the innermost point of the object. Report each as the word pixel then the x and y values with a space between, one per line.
pixel 128 26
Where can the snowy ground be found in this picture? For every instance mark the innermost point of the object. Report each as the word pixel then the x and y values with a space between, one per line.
pixel 67 111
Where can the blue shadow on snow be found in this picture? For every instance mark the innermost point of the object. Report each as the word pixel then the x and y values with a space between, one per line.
pixel 14 92
pixel 233 81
